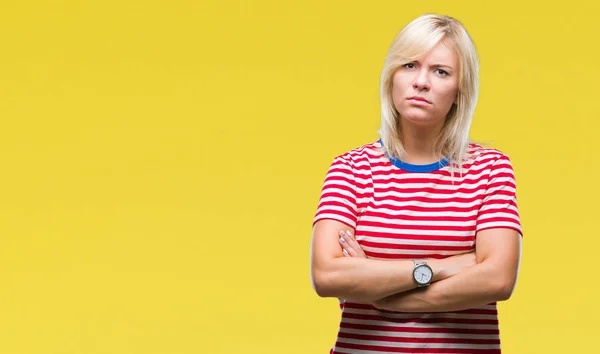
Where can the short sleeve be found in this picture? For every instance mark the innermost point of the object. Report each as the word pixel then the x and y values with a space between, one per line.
pixel 499 208
pixel 338 194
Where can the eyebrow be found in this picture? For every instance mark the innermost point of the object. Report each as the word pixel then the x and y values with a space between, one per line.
pixel 434 65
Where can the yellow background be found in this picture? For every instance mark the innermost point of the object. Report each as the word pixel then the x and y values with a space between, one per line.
pixel 161 163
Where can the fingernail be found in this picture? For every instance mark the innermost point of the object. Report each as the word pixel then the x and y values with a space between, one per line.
pixel 349 233
pixel 345 252
pixel 341 233
pixel 342 240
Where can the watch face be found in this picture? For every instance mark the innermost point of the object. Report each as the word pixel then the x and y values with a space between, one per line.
pixel 423 274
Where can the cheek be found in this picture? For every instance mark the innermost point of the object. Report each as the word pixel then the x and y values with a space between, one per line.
pixel 396 93
pixel 401 80
pixel 398 88
pixel 448 94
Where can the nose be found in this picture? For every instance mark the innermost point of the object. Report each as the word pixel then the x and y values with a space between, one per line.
pixel 421 81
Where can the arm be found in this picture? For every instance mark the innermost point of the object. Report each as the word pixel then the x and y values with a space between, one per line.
pixel 362 279
pixel 492 279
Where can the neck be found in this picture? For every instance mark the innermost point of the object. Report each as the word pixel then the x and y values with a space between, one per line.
pixel 419 143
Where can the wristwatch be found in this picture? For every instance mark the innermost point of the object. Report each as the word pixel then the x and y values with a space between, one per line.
pixel 422 273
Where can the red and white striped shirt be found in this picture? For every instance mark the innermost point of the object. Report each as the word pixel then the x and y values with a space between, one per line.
pixel 404 211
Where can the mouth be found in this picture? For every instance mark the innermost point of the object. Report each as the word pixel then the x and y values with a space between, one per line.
pixel 418 99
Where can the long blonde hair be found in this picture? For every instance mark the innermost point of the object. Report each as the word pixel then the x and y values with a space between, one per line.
pixel 416 39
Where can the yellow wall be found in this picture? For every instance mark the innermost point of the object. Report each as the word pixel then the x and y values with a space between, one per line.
pixel 161 161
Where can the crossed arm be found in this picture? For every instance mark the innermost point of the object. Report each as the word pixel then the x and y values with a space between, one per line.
pixel 459 283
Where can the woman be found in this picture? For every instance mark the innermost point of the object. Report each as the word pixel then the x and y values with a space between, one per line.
pixel 396 226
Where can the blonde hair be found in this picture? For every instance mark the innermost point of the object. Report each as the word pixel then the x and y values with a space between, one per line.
pixel 416 39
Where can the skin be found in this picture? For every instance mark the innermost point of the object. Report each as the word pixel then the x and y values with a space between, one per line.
pixel 340 268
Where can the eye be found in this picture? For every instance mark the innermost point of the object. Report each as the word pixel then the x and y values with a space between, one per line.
pixel 409 66
pixel 442 72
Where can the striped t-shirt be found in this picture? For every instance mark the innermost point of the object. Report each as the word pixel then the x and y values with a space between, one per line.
pixel 405 211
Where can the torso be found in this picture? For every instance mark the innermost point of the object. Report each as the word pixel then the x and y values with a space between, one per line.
pixel 416 213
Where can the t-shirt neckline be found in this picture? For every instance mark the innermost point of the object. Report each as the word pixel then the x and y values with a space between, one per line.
pixel 432 167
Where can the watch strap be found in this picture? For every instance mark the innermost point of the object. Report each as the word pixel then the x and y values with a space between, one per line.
pixel 419 262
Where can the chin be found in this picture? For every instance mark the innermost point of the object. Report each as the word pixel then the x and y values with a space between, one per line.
pixel 419 119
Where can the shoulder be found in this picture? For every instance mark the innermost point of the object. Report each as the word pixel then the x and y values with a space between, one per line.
pixel 487 158
pixel 486 154
pixel 362 154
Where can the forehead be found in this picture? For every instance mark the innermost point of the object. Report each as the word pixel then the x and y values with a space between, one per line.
pixel 442 53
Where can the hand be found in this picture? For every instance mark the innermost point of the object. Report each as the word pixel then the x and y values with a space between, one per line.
pixel 350 247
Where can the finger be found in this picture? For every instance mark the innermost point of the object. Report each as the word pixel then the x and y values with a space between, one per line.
pixel 347 248
pixel 351 241
pixel 351 252
pixel 345 253
pixel 344 240
pixel 346 232
pixel 343 243
pixel 349 234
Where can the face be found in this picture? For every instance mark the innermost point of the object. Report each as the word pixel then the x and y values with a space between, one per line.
pixel 423 91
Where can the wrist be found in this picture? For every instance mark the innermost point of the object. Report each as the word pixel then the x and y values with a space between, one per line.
pixel 439 268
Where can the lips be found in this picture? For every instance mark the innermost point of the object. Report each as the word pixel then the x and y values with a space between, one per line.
pixel 418 98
